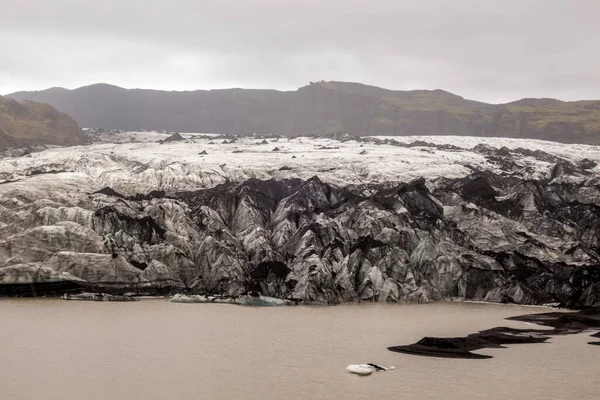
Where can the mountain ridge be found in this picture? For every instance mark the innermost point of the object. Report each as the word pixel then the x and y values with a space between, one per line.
pixel 324 107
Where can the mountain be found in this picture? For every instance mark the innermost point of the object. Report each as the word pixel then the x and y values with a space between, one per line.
pixel 32 123
pixel 324 107
pixel 320 220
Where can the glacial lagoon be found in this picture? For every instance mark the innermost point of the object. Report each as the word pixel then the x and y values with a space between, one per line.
pixel 152 349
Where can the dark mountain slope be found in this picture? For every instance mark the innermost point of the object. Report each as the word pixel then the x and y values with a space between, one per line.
pixel 324 107
pixel 31 123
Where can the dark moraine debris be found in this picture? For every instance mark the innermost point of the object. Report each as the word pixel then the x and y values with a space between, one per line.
pixel 564 322
pixel 144 229
pixel 440 347
pixel 108 191
pixel 265 268
pixel 539 155
pixel 276 149
pixel 41 289
pixel 176 137
pixel 463 347
pixel 45 169
pixel 139 265
pixel 203 153
pixel 586 163
pixel 154 194
pixel 562 168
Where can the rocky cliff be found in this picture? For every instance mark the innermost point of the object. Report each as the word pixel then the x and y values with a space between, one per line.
pixel 324 107
pixel 29 123
pixel 513 225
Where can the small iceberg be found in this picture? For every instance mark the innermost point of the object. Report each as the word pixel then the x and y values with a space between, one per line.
pixel 367 369
pixel 97 297
pixel 195 298
pixel 244 300
pixel 262 301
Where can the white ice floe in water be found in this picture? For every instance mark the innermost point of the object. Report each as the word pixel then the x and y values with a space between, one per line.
pixel 195 298
pixel 140 167
pixel 262 301
pixel 245 300
pixel 367 369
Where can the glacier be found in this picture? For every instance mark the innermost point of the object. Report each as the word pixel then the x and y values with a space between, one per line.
pixel 309 220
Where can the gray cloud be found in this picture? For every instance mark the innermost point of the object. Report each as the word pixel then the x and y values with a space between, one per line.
pixel 491 50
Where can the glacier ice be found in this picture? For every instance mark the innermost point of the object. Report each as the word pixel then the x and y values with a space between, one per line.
pixel 494 219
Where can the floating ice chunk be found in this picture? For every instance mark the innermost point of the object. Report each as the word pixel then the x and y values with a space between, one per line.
pixel 97 297
pixel 245 300
pixel 367 369
pixel 248 300
pixel 184 298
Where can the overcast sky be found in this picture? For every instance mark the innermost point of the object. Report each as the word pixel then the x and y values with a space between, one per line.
pixel 490 50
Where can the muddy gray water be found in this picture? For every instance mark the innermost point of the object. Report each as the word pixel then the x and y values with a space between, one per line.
pixel 54 349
